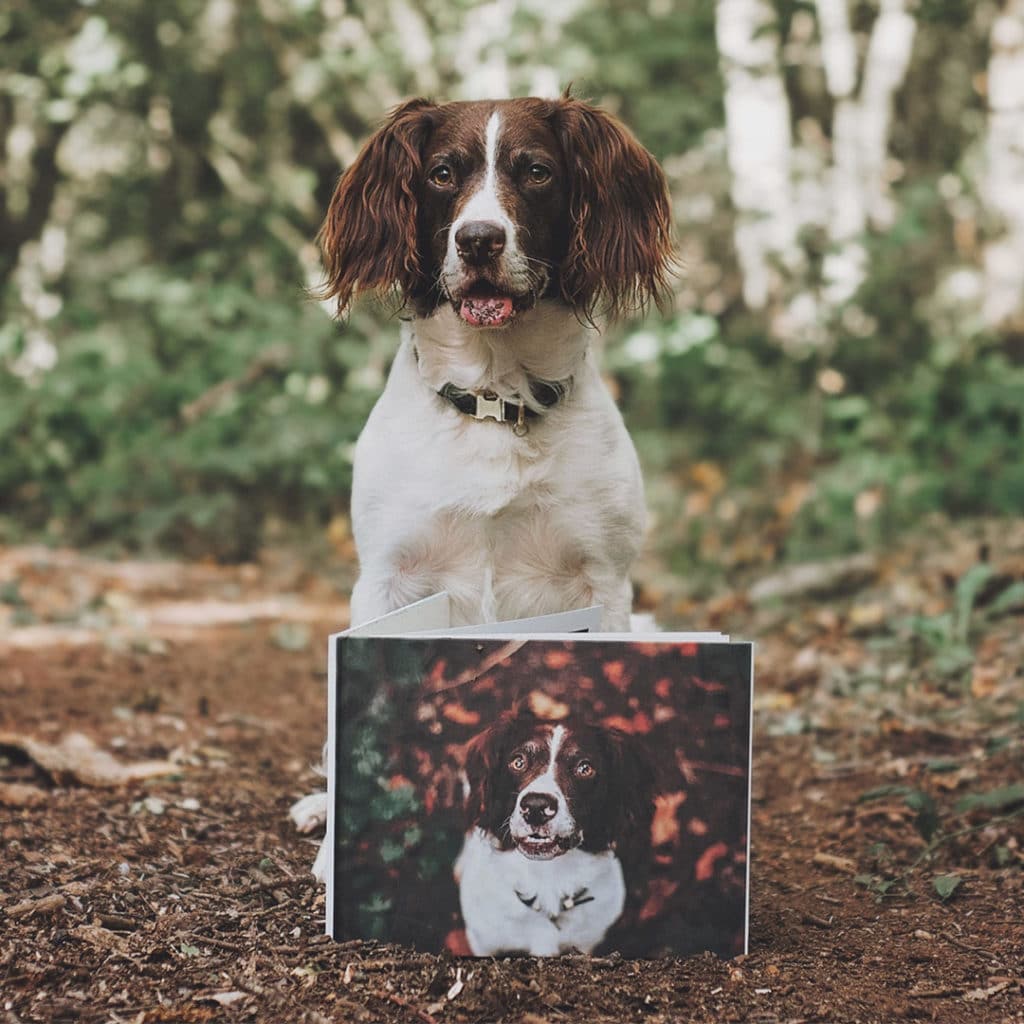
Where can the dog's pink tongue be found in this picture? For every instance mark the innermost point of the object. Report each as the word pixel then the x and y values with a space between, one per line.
pixel 489 311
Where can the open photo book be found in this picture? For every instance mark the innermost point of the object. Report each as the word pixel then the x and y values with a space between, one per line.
pixel 538 787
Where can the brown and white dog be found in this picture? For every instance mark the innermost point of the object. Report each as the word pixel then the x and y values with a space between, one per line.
pixel 548 804
pixel 495 465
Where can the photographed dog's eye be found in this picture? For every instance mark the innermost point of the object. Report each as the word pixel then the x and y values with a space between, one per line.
pixel 442 175
pixel 584 770
pixel 538 174
pixel 518 763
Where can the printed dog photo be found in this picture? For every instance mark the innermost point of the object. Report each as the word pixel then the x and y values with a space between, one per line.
pixel 542 797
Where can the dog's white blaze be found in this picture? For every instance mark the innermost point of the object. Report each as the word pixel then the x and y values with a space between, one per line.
pixel 556 742
pixel 485 204
pixel 563 823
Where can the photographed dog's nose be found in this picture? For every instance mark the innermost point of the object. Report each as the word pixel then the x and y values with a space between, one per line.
pixel 478 241
pixel 538 808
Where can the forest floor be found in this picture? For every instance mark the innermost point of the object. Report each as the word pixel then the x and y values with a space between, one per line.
pixel 888 814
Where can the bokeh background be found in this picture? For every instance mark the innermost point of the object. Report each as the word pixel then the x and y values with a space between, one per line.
pixel 844 359
pixel 406 711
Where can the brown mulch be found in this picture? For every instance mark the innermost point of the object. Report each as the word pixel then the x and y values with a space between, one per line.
pixel 188 898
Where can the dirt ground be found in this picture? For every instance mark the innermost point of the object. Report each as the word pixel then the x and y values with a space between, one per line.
pixel 888 819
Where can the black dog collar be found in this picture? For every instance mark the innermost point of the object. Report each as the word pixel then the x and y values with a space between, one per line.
pixel 482 405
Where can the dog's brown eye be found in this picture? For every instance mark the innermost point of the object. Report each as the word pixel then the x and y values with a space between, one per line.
pixel 518 763
pixel 538 174
pixel 442 175
pixel 584 769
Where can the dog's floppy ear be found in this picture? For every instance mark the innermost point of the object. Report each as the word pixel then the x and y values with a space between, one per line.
pixel 485 755
pixel 369 237
pixel 632 786
pixel 479 769
pixel 620 243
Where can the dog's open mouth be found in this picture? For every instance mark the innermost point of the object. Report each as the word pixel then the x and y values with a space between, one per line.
pixel 541 847
pixel 484 306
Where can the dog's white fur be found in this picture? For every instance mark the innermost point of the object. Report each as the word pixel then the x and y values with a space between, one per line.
pixel 509 526
pixel 495 885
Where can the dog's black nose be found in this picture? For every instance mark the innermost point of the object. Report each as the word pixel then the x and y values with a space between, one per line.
pixel 478 241
pixel 538 808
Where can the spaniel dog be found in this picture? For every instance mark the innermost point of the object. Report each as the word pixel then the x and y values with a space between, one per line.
pixel 549 804
pixel 495 465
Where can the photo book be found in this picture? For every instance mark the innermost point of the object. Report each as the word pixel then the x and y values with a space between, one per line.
pixel 537 787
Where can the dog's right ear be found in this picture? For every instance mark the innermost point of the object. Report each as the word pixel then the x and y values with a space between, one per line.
pixel 369 237
pixel 479 769
pixel 484 757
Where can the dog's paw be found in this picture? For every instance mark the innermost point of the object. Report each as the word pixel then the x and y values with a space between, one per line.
pixel 309 813
pixel 320 864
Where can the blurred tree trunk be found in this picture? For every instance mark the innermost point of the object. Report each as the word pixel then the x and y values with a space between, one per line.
pixel 1004 182
pixel 860 132
pixel 844 265
pixel 757 123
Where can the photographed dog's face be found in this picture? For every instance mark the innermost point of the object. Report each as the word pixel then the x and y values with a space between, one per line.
pixel 491 206
pixel 494 210
pixel 545 788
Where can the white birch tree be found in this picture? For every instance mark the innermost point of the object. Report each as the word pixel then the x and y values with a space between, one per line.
pixel 759 145
pixel 861 125
pixel 1004 181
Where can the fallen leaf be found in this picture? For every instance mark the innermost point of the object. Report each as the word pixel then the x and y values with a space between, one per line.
pixel 226 998
pixel 705 867
pixel 828 860
pixel 557 659
pixel 547 707
pixel 659 890
pixel 994 800
pixel 665 825
pixel 865 616
pixel 946 885
pixel 77 757
pixel 101 938
pixel 615 673
pixel 460 715
pixel 457 986
pixel 18 794
pixel 987 993
pixel 43 905
pixel 984 679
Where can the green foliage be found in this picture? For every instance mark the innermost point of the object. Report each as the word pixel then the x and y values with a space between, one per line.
pixel 946 641
pixel 927 814
pixel 926 419
pixel 165 381
pixel 946 885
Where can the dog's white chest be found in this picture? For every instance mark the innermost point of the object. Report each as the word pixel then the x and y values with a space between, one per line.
pixel 510 526
pixel 541 907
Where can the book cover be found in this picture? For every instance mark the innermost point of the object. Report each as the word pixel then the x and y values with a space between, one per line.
pixel 539 793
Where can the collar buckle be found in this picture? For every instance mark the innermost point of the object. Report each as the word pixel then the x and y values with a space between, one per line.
pixel 489 406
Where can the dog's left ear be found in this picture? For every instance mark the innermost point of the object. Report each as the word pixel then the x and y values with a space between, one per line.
pixel 620 245
pixel 634 781
pixel 369 238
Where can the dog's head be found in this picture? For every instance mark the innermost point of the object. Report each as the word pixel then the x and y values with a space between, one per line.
pixel 491 206
pixel 546 788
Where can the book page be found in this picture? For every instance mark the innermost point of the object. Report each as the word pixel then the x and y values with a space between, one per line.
pixel 581 620
pixel 432 612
